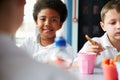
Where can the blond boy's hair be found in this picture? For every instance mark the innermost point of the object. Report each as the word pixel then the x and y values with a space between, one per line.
pixel 112 4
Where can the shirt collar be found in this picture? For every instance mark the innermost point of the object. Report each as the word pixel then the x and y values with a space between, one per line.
pixel 38 39
pixel 106 41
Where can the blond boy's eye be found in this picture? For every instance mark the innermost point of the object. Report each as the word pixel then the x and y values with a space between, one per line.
pixel 112 23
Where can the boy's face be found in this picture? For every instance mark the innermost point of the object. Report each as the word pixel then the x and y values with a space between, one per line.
pixel 48 22
pixel 111 24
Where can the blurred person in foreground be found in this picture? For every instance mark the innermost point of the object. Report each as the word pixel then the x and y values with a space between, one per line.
pixel 15 64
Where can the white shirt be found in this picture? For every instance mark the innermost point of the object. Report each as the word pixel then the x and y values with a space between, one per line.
pixel 40 52
pixel 15 64
pixel 109 51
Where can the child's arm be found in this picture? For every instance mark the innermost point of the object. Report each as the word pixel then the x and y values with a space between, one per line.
pixel 94 46
pixel 90 40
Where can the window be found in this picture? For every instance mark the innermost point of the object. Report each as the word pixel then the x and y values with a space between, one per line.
pixel 28 27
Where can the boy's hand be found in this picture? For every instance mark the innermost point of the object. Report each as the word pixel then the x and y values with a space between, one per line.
pixel 97 48
pixel 94 46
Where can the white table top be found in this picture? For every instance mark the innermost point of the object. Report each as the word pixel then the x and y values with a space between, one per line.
pixel 97 75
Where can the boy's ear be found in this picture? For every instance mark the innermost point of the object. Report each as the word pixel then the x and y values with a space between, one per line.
pixel 61 24
pixel 22 2
pixel 102 25
pixel 36 24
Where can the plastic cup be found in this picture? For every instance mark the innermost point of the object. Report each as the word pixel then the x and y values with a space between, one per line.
pixel 118 69
pixel 109 72
pixel 86 62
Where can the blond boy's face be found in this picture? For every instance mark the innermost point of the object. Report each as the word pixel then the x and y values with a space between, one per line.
pixel 111 24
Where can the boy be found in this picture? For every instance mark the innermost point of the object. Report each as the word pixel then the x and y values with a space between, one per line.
pixel 110 41
pixel 49 16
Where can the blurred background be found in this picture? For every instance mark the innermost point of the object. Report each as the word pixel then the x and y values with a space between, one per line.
pixel 83 18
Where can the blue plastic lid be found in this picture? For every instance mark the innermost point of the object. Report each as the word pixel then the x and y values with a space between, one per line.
pixel 60 41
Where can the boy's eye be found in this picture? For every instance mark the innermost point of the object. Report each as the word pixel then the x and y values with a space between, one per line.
pixel 112 23
pixel 42 19
pixel 54 20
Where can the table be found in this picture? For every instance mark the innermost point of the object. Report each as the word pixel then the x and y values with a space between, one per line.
pixel 98 74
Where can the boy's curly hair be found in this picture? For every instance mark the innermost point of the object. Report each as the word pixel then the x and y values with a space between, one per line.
pixel 56 5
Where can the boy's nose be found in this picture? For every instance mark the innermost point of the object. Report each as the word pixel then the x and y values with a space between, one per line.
pixel 118 25
pixel 47 22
